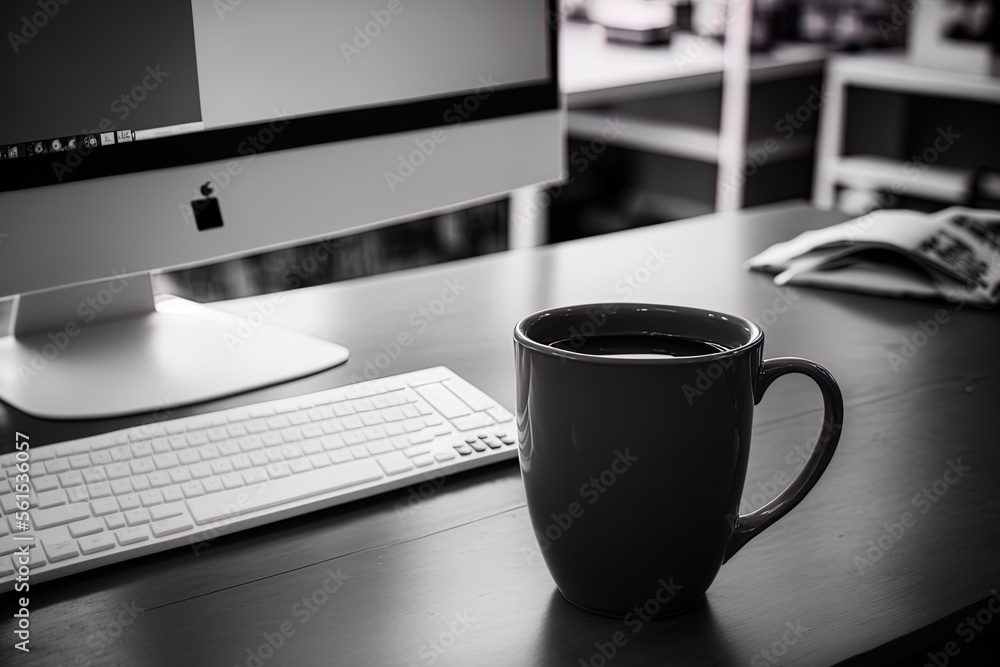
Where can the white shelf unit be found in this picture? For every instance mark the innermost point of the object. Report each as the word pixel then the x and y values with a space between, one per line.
pixel 890 72
pixel 595 73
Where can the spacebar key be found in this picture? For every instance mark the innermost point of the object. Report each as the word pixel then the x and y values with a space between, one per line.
pixel 215 506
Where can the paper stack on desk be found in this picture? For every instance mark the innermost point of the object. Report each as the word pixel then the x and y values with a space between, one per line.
pixel 953 254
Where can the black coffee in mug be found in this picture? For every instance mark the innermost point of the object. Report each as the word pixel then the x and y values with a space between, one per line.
pixel 644 345
pixel 634 425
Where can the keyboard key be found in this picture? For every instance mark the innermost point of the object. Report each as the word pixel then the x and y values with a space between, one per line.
pixel 85 527
pixel 161 512
pixel 192 489
pixel 444 456
pixel 46 483
pixel 332 442
pixel 78 462
pixel 500 415
pixel 188 456
pixel 127 536
pixel 95 543
pixel 99 490
pixel 476 399
pixel 256 426
pixel 252 443
pixel 120 454
pixel 354 437
pixel 420 437
pixel 52 499
pixel 208 452
pixel 241 462
pixel 319 460
pixel 129 501
pixel 200 470
pixel 413 425
pixel 142 466
pixel 216 434
pixel 314 446
pixel 71 478
pixel 234 480
pixel 423 460
pixel 196 438
pixel 149 498
pixel 171 493
pixel 57 516
pixel 299 465
pixel 115 471
pixel 170 526
pixel 56 466
pixel 280 491
pixel 473 421
pixel 340 456
pixel 6 567
pixel 312 431
pixel 94 475
pixel 180 475
pixel 114 521
pixel 212 484
pixel 103 506
pixel 278 470
pixel 351 422
pixel 371 418
pixel 394 463
pixel 332 426
pixel 160 446
pixel 137 517
pixel 77 494
pixel 159 479
pixel 60 550
pixel 100 458
pixel 228 448
pixel 255 476
pixel 166 461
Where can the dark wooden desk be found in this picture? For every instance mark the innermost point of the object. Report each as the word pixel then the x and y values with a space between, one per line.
pixel 448 576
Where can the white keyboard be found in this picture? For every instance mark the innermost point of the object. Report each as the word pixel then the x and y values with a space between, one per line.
pixel 128 493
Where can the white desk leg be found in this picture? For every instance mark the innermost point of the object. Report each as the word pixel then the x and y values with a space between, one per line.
pixel 831 139
pixel 735 103
pixel 528 218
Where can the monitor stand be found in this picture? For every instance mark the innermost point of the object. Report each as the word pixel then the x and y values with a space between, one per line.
pixel 138 355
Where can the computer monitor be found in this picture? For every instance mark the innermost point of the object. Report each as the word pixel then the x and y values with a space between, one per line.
pixel 144 137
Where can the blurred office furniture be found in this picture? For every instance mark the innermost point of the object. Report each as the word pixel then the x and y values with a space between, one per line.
pixel 896 133
pixel 647 133
pixel 962 35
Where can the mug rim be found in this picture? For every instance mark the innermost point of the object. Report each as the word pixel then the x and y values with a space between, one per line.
pixel 521 337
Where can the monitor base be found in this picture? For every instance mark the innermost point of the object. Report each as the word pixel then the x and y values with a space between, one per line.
pixel 138 358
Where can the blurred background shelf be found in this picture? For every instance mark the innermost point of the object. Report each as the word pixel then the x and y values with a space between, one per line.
pixel 889 121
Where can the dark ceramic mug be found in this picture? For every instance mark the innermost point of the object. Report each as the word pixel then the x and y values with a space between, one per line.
pixel 634 467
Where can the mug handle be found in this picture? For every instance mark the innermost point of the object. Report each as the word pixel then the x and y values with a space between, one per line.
pixel 747 526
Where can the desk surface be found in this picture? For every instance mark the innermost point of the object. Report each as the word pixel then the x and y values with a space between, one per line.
pixel 452 579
